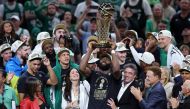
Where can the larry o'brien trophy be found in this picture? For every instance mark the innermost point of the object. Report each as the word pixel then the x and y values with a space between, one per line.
pixel 103 20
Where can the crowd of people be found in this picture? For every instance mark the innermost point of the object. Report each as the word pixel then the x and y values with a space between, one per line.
pixel 49 58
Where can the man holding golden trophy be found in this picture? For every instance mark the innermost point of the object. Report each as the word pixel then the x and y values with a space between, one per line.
pixel 105 77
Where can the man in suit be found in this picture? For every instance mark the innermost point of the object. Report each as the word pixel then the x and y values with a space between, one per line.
pixel 125 99
pixel 175 103
pixel 155 96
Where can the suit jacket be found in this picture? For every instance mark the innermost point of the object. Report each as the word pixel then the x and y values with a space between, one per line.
pixel 127 100
pixel 186 104
pixel 156 99
pixel 176 89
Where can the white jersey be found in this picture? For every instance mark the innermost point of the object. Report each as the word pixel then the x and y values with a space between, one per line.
pixel 174 55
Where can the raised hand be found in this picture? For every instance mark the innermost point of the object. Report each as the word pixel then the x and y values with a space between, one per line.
pixel 46 61
pixel 9 76
pixel 137 93
pixel 111 103
pixel 174 103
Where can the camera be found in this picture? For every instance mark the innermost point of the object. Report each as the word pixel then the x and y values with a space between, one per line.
pixel 67 38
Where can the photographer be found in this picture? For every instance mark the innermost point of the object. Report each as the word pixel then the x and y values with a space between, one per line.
pixel 63 38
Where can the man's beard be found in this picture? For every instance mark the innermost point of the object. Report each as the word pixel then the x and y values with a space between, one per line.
pixel 51 56
pixel 24 57
pixel 104 67
pixel 51 14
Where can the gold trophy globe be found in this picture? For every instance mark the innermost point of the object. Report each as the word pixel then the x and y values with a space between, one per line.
pixel 103 20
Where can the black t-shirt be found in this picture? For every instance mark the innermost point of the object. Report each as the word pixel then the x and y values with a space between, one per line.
pixel 1 63
pixel 177 24
pixel 102 87
pixel 22 80
pixel 64 72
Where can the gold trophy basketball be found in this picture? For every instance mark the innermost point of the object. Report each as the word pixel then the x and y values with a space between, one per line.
pixel 103 21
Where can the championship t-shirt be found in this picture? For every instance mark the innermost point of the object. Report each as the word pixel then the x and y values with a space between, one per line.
pixel 102 87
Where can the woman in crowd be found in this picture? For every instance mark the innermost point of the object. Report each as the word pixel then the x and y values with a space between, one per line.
pixel 185 49
pixel 33 98
pixel 7 33
pixel 75 92
pixel 165 80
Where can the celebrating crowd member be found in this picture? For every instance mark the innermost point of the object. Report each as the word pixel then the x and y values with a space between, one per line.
pixel 125 98
pixel 62 68
pixel 155 96
pixel 33 98
pixel 34 62
pixel 6 54
pixel 103 80
pixel 76 93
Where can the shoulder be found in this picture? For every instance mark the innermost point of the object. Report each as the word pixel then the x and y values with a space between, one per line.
pixel 145 2
pixel 10 89
pixel 74 65
pixel 158 87
pixel 81 4
pixel 134 83
pixel 149 20
pixel 94 3
pixel 169 85
pixel 177 15
pixel 2 6
pixel 85 83
pixel 11 60
pixel 20 5
pixel 23 77
pixel 25 103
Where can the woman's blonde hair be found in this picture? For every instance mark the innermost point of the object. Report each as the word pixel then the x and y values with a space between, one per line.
pixel 166 73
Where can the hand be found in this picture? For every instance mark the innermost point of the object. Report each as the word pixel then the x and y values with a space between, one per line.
pixel 74 104
pixel 111 103
pixel 131 42
pixel 10 76
pixel 46 61
pixel 174 102
pixel 91 45
pixel 87 9
pixel 137 93
pixel 112 43
pixel 96 51
pixel 149 44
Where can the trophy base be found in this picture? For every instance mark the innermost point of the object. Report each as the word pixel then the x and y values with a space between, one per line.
pixel 102 45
